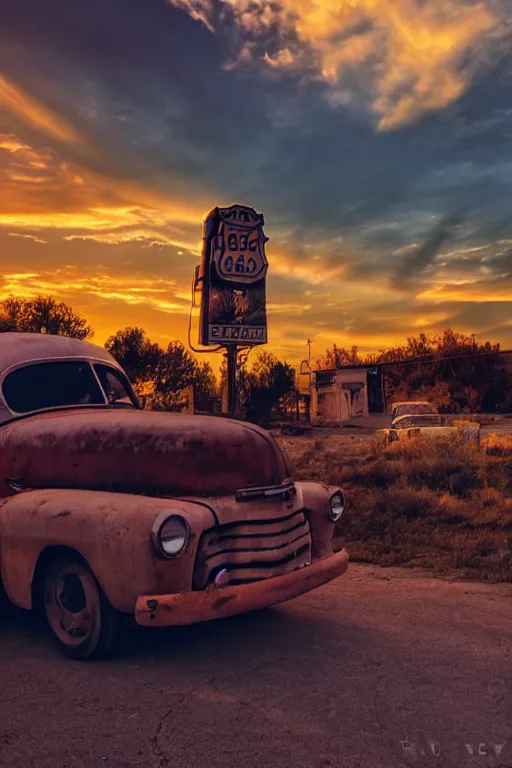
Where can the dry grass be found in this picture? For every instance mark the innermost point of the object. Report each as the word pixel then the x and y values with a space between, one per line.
pixel 442 504
pixel 497 445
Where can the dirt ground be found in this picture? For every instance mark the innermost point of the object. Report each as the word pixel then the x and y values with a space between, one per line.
pixel 347 442
pixel 379 669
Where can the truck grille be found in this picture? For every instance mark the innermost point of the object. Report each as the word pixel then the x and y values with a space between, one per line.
pixel 252 550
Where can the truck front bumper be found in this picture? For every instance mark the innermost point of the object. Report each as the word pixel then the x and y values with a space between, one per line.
pixel 214 603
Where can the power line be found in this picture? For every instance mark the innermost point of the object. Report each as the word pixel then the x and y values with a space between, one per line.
pixel 420 360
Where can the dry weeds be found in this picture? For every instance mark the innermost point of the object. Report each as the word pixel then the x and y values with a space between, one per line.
pixel 441 504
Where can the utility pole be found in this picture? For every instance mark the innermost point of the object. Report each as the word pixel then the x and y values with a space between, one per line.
pixel 309 343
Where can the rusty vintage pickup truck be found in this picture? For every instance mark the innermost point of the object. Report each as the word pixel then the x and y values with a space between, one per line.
pixel 107 509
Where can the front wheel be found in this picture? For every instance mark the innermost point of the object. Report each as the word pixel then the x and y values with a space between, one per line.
pixel 81 619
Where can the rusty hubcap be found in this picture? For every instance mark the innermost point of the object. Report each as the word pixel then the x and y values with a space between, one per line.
pixel 72 604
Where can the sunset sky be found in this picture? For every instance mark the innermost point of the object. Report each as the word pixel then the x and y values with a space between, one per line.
pixel 374 135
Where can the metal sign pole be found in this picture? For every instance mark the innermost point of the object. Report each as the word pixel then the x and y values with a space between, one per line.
pixel 231 379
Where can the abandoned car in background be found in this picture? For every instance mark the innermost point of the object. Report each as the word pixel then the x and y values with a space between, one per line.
pixel 429 425
pixel 106 509
pixel 412 408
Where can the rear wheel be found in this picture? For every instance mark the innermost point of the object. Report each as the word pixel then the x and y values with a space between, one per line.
pixel 81 619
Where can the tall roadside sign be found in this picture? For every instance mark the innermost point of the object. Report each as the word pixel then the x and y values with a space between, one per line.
pixel 232 278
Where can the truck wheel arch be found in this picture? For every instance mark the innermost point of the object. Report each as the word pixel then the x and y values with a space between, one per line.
pixel 81 621
pixel 46 558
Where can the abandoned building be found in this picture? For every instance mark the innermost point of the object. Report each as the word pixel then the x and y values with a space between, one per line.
pixel 341 394
pixel 338 395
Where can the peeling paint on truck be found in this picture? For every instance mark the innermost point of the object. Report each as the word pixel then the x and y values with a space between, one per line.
pixel 171 518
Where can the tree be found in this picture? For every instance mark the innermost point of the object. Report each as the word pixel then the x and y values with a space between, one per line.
pixel 206 392
pixel 262 389
pixel 43 314
pixel 174 372
pixel 161 377
pixel 135 353
pixel 451 369
pixel 458 372
pixel 338 357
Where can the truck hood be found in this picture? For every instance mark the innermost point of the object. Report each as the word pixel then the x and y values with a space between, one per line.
pixel 156 454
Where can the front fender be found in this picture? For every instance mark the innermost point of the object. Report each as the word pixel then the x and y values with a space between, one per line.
pixel 315 499
pixel 112 531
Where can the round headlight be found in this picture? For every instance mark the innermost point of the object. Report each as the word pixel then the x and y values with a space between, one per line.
pixel 337 506
pixel 170 534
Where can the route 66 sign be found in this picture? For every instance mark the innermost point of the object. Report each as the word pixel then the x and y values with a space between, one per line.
pixel 238 250
pixel 232 277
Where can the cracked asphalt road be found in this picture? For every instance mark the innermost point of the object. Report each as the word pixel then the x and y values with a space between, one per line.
pixel 338 678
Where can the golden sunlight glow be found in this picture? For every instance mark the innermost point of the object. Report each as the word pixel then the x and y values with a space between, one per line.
pixel 35 114
pixel 33 238
pixel 314 273
pixel 478 293
pixel 54 210
pixel 43 192
pixel 105 286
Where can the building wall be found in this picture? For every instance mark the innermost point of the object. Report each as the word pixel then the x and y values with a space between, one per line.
pixel 340 399
pixel 354 384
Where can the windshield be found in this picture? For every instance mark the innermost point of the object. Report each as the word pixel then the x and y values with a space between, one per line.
pixel 412 408
pixel 40 386
pixel 420 421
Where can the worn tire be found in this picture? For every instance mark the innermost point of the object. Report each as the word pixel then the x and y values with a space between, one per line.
pixel 81 620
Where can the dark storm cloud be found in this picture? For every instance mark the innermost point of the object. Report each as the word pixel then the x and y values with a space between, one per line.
pixel 142 82
pixel 145 84
pixel 424 255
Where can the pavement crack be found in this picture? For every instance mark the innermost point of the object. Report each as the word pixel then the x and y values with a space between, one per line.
pixel 155 739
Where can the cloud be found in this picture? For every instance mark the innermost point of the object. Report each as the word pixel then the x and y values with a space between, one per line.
pixel 424 255
pixel 200 10
pixel 481 292
pixel 40 182
pixel 42 191
pixel 402 58
pixel 147 238
pixel 33 238
pixel 131 290
pixel 112 152
pixel 31 112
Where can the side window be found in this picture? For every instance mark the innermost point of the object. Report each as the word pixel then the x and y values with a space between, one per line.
pixel 51 385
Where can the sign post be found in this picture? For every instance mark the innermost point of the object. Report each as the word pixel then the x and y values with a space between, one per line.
pixel 232 354
pixel 232 278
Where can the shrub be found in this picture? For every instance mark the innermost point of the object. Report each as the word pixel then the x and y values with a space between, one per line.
pixel 373 474
pixel 404 501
